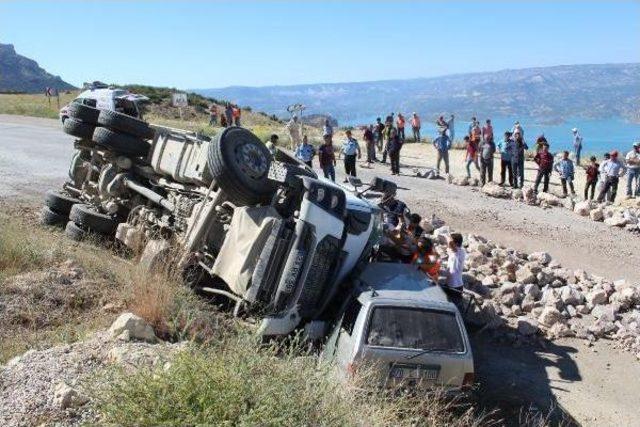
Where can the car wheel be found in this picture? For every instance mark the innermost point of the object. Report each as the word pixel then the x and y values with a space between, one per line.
pixel 239 163
pixel 51 217
pixel 72 231
pixel 59 202
pixel 125 124
pixel 121 143
pixel 78 128
pixel 83 113
pixel 89 219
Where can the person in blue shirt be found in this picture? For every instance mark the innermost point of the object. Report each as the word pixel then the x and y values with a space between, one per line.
pixel 305 152
pixel 566 171
pixel 505 148
pixel 350 149
pixel 442 145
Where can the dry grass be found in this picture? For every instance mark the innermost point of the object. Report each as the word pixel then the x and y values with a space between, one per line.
pixel 35 105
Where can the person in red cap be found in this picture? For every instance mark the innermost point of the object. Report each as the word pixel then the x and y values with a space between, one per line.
pixel 613 170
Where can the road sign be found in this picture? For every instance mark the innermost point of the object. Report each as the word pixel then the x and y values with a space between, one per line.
pixel 179 100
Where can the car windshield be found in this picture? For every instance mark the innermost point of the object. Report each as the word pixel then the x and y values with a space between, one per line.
pixel 422 329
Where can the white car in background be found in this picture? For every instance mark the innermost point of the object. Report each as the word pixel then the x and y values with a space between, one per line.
pixel 403 329
pixel 109 98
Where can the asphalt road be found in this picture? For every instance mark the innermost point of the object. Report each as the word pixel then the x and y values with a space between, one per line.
pixel 34 155
pixel 597 385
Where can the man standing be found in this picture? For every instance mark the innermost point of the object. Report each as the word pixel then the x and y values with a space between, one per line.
pixel 475 132
pixel 487 131
pixel 386 134
pixel 517 160
pixel 213 115
pixel 295 130
pixel 415 126
pixel 633 167
pixel 272 143
pixel 442 145
pixel 506 147
pixel 327 129
pixel 370 144
pixel 394 146
pixel 487 149
pixel 350 149
pixel 472 155
pixel 517 128
pixel 378 130
pixel 577 144
pixel 544 160
pixel 228 112
pixel 305 152
pixel 613 170
pixel 327 159
pixel 566 171
pixel 236 115
pixel 401 123
pixel 592 178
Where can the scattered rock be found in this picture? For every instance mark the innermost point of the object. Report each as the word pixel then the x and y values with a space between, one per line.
pixel 137 327
pixel 494 190
pixel 597 296
pixel 550 316
pixel 527 326
pixel 597 214
pixel 65 397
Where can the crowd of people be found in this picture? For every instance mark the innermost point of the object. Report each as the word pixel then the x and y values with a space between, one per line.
pixel 230 115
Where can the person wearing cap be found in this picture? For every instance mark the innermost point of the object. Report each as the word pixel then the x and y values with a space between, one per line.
pixel 442 144
pixel 506 147
pixel 350 149
pixel 613 169
pixel 592 178
pixel 577 144
pixel 567 172
pixel 415 127
pixel 544 160
pixel 633 169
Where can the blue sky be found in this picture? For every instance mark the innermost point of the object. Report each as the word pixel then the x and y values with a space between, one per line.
pixel 216 44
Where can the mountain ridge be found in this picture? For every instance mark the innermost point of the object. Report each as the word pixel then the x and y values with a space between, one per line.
pixel 21 74
pixel 547 93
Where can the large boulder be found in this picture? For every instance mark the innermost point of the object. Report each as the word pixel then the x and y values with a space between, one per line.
pixel 441 234
pixel 541 257
pixel 550 316
pixel 550 199
pixel 461 181
pixel 494 190
pixel 583 208
pixel 525 276
pixel 616 220
pixel 529 196
pixel 571 296
pixel 65 396
pixel 597 296
pixel 597 214
pixel 134 326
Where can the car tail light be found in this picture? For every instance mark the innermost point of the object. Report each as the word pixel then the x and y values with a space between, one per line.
pixel 468 380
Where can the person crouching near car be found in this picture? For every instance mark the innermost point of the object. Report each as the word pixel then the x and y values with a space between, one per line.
pixel 426 258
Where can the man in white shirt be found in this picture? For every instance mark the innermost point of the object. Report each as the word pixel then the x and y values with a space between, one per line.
pixel 633 169
pixel 577 144
pixel 455 264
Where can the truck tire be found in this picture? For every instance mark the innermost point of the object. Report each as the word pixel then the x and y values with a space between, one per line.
pixel 78 128
pixel 121 143
pixel 72 231
pixel 83 113
pixel 239 163
pixel 125 124
pixel 87 218
pixel 50 217
pixel 59 202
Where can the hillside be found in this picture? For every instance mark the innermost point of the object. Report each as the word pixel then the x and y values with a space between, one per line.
pixel 548 94
pixel 21 74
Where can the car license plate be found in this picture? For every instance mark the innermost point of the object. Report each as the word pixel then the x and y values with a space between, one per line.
pixel 413 372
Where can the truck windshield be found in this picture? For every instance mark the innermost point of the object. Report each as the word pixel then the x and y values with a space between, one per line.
pixel 422 329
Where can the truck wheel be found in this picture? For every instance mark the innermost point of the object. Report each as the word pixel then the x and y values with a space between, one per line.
pixel 74 232
pixel 59 202
pixel 51 217
pixel 125 124
pixel 87 218
pixel 121 143
pixel 239 163
pixel 83 113
pixel 78 128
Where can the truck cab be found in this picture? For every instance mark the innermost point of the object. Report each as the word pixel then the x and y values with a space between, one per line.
pixel 108 98
pixel 400 327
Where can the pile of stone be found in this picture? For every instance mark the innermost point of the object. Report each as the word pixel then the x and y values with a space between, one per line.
pixel 52 384
pixel 535 296
pixel 625 214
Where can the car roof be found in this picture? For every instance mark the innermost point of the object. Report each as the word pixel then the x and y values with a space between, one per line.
pixel 382 281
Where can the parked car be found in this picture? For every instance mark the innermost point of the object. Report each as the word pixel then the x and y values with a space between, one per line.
pixel 400 328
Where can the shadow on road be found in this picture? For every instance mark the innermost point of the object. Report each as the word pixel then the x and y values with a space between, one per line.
pixel 512 378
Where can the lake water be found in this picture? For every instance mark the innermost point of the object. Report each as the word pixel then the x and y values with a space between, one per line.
pixel 598 136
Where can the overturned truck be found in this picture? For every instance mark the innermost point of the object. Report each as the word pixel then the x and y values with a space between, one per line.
pixel 263 231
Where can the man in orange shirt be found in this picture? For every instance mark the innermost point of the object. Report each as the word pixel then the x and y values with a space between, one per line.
pixel 415 127
pixel 400 122
pixel 426 258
